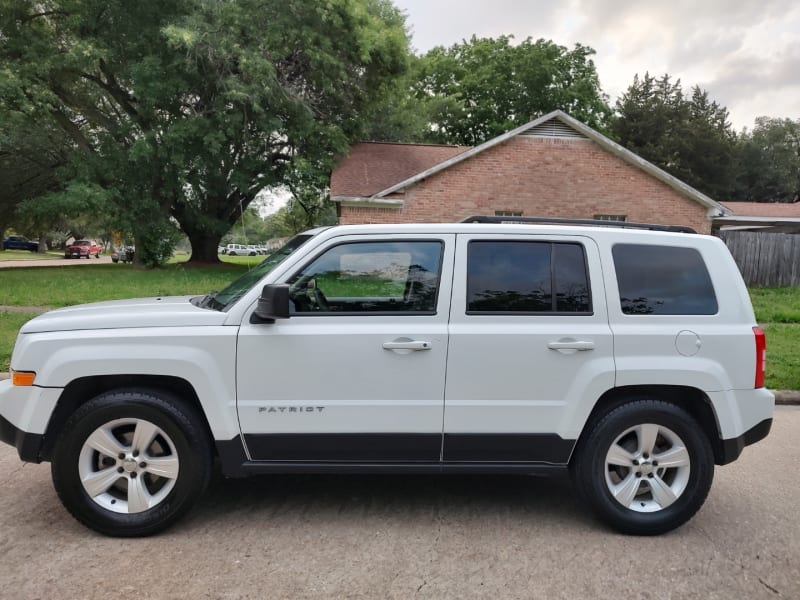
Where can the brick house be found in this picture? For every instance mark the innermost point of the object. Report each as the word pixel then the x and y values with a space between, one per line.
pixel 554 166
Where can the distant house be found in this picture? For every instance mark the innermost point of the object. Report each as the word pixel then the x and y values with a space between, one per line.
pixel 554 166
pixel 773 217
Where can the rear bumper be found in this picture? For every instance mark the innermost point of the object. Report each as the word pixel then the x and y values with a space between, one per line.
pixel 732 448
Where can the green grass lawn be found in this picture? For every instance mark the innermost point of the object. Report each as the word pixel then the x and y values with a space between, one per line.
pixel 10 322
pixel 777 309
pixel 25 255
pixel 778 312
pixel 64 286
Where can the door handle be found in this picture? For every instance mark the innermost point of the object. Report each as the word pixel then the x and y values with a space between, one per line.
pixel 579 345
pixel 401 344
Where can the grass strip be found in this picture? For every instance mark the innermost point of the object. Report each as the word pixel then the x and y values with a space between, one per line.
pixel 65 286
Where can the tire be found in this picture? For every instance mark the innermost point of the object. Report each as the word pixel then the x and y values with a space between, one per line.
pixel 618 471
pixel 101 438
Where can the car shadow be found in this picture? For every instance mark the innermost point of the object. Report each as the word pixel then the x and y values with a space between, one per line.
pixel 310 497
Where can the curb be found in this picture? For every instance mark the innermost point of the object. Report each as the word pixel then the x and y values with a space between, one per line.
pixel 784 397
pixel 787 397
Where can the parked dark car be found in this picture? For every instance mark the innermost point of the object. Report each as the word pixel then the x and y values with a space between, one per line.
pixel 83 248
pixel 19 242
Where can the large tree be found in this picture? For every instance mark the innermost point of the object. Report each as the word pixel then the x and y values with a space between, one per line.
pixel 769 161
pixel 689 137
pixel 187 109
pixel 33 161
pixel 483 87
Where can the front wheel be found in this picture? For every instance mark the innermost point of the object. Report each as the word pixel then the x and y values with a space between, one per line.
pixel 645 468
pixel 131 463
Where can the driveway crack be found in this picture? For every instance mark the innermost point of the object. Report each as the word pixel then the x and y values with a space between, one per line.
pixel 765 584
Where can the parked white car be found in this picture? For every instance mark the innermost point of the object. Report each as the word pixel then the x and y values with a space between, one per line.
pixel 628 357
pixel 240 250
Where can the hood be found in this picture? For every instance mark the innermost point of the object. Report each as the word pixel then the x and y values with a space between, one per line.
pixel 172 311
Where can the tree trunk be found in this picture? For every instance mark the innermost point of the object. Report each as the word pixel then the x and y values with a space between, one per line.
pixel 43 243
pixel 204 247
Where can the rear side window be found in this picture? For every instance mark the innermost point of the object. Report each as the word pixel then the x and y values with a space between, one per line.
pixel 663 280
pixel 527 277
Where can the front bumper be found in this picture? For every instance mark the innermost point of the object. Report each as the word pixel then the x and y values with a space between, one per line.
pixel 28 445
pixel 24 415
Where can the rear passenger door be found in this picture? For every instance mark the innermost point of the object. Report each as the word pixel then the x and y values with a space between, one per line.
pixel 530 347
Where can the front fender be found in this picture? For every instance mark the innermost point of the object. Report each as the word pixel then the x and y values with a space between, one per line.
pixel 204 357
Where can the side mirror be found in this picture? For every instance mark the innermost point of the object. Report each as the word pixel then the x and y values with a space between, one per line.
pixel 273 304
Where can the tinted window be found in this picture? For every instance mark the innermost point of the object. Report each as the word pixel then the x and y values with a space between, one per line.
pixel 663 280
pixel 529 277
pixel 369 277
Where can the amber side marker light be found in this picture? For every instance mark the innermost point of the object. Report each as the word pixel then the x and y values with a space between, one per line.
pixel 23 378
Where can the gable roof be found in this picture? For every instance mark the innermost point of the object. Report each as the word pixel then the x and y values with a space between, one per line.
pixel 553 124
pixel 374 166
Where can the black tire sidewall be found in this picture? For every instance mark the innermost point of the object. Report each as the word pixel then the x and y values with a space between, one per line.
pixel 182 427
pixel 590 475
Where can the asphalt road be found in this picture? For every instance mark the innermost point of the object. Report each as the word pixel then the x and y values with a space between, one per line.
pixel 54 262
pixel 404 537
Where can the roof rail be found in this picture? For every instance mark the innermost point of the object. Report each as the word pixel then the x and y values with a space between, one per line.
pixel 594 222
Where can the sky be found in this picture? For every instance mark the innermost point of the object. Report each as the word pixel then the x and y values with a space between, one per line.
pixel 745 53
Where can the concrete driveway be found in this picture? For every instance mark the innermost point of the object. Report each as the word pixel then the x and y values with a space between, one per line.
pixel 404 537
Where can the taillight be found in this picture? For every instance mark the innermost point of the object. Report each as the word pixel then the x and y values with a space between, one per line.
pixel 761 356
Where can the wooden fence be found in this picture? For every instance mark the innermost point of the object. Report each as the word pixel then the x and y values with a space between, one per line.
pixel 767 259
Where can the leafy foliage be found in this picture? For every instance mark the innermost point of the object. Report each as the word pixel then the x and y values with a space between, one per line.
pixel 33 160
pixel 484 87
pixel 689 137
pixel 185 110
pixel 769 161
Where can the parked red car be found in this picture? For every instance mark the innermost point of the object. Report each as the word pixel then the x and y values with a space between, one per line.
pixel 83 248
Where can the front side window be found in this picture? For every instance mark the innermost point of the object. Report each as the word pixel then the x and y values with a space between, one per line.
pixel 663 280
pixel 527 277
pixel 370 277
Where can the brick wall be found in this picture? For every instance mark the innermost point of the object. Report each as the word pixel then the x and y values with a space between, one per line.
pixel 549 177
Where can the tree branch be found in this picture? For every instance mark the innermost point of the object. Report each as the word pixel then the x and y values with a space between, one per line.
pixel 46 13
pixel 72 130
pixel 120 95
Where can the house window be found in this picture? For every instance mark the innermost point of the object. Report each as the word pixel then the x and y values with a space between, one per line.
pixel 508 213
pixel 610 217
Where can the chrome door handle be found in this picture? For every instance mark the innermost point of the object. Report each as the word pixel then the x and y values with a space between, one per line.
pixel 407 345
pixel 571 345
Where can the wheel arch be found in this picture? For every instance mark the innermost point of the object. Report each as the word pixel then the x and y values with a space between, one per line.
pixel 81 390
pixel 692 400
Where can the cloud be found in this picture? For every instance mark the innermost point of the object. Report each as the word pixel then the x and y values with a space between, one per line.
pixel 744 53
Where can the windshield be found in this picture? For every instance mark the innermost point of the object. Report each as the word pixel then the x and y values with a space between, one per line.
pixel 237 289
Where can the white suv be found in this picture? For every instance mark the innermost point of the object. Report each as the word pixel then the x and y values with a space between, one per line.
pixel 240 250
pixel 629 357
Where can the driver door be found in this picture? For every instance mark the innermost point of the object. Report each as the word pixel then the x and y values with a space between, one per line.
pixel 357 373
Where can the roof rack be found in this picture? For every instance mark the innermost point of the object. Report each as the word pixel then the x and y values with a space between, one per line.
pixel 562 221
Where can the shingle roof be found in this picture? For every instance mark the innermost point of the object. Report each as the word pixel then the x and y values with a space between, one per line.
pixel 764 209
pixel 375 171
pixel 374 166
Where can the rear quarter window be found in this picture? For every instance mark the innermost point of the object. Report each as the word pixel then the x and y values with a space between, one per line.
pixel 663 280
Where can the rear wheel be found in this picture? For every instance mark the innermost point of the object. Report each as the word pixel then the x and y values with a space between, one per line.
pixel 645 468
pixel 131 463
